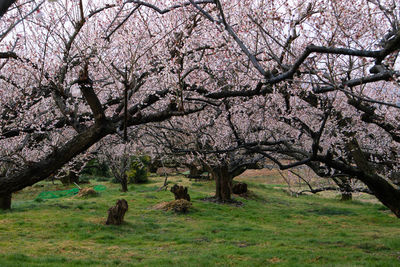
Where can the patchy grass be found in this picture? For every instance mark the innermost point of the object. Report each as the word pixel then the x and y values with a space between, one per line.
pixel 271 228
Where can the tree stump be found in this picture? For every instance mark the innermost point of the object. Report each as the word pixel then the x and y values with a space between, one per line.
pixel 116 214
pixel 239 188
pixel 180 192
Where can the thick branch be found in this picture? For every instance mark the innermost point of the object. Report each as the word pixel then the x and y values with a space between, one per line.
pixel 37 171
pixel 8 55
pixel 4 5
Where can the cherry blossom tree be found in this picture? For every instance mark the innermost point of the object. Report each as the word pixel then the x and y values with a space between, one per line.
pixel 324 75
pixel 328 90
pixel 69 79
pixel 331 89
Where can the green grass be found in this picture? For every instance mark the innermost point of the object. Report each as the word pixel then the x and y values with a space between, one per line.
pixel 271 228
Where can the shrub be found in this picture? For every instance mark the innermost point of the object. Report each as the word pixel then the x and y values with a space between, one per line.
pixel 138 171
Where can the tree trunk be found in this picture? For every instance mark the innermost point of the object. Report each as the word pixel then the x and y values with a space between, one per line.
pixel 345 188
pixel 5 202
pixel 223 184
pixel 124 183
pixel 153 166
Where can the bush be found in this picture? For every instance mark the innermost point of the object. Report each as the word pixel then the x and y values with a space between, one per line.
pixel 138 171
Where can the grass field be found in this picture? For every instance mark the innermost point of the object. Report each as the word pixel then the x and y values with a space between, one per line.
pixel 271 228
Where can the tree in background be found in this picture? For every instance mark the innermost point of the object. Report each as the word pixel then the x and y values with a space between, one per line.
pixel 213 140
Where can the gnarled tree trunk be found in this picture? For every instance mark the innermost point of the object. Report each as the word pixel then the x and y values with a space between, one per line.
pixel 5 202
pixel 383 190
pixel 223 183
pixel 346 196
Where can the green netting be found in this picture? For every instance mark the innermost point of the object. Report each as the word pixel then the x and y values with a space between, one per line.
pixel 65 193
pixel 99 187
pixel 57 194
